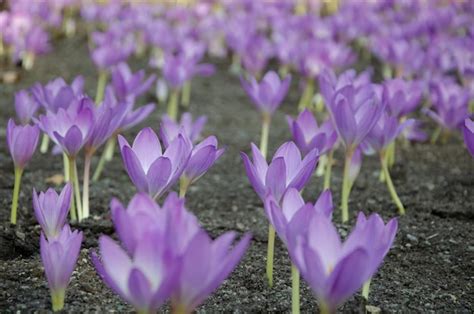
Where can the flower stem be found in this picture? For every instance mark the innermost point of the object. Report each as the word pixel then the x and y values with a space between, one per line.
pixel 107 155
pixel 101 82
pixel 307 96
pixel 183 186
pixel 324 308
pixel 44 144
pixel 270 252
pixel 391 188
pixel 366 289
pixel 75 182
pixel 186 94
pixel 173 105
pixel 328 170
pixel 295 290
pixel 346 186
pixel 66 167
pixel 16 194
pixel 266 120
pixel 73 212
pixel 57 300
pixel 435 136
pixel 85 184
pixel 391 154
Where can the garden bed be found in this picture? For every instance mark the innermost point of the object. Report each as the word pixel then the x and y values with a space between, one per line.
pixel 428 269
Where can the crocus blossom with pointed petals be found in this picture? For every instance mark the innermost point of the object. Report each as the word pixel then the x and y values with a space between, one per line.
pixel 286 170
pixel 128 85
pixel 25 106
pixel 294 215
pixel 192 129
pixel 203 156
pixel 22 142
pixel 51 210
pixel 57 93
pixel 151 170
pixel 307 135
pixel 336 270
pixel 59 258
pixel 268 94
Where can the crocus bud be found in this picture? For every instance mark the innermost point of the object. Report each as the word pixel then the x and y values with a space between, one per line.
pixel 51 210
pixel 22 142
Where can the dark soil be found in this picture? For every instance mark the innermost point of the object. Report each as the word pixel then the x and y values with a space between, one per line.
pixel 429 269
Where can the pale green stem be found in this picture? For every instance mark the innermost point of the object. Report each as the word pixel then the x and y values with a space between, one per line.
pixel 391 188
pixel 66 167
pixel 270 253
pixel 107 155
pixel 366 289
pixel 178 309
pixel 75 183
pixel 28 61
pixel 235 66
pixel 436 134
pixel 184 184
pixel 186 94
pixel 321 168
pixel 73 212
pixel 327 172
pixel 266 120
pixel 295 290
pixel 323 308
pixel 110 148
pixel 346 186
pixel 307 96
pixel 16 194
pixel 173 105
pixel 57 300
pixel 391 154
pixel 85 185
pixel 284 70
pixel 101 83
pixel 44 144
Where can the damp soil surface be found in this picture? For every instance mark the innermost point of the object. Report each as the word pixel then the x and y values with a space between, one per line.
pixel 429 269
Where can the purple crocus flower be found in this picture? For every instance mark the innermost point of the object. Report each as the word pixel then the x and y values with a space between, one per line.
pixel 110 53
pixel 307 135
pixel 128 85
pixel 203 156
pixel 355 114
pixel 22 142
pixel 269 93
pixel 286 170
pixel 57 93
pixel 192 129
pixel 145 278
pixel 59 258
pixel 403 97
pixel 70 128
pixel 51 210
pixel 205 264
pixel 294 215
pixel 151 170
pixel 179 69
pixel 25 106
pixel 336 270
pixel 468 132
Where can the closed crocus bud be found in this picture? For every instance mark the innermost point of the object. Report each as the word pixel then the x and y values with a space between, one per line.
pixel 151 170
pixel 25 106
pixel 308 135
pixel 336 270
pixel 294 215
pixel 192 129
pixel 267 95
pixel 59 258
pixel 206 263
pixel 468 131
pixel 51 210
pixel 403 96
pixel 203 156
pixel 22 142
pixel 128 85
pixel 286 170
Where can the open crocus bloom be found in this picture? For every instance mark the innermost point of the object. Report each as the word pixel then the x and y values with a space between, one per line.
pixel 146 278
pixel 129 85
pixel 70 128
pixel 269 93
pixel 203 156
pixel 151 170
pixel 294 214
pixel 307 135
pixel 170 129
pixel 336 270
pixel 51 210
pixel 286 170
